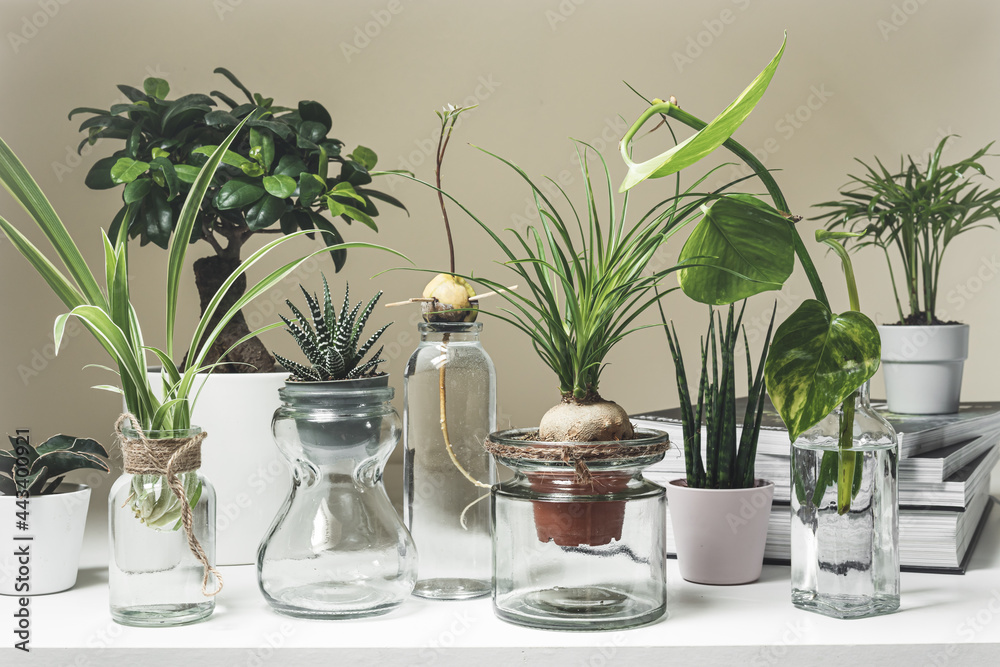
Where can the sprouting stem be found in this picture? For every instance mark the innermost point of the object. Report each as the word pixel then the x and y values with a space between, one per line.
pixel 846 457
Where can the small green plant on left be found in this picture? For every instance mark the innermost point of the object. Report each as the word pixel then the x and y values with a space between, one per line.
pixel 38 471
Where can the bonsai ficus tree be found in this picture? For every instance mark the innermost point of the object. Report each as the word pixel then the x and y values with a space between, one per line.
pixel 284 173
pixel 914 213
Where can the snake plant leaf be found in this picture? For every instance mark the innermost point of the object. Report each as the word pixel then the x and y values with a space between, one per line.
pixel 818 359
pixel 702 142
pixel 741 247
pixel 62 462
pixel 71 443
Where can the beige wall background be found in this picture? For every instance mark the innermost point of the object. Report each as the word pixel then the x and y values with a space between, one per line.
pixel 857 80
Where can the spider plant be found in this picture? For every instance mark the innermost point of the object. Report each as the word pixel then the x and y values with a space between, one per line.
pixel 915 213
pixel 109 314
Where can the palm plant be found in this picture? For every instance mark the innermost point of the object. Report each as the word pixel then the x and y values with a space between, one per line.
pixel 333 346
pixel 917 213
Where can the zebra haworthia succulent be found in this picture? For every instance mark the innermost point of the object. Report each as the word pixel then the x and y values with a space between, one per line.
pixel 331 343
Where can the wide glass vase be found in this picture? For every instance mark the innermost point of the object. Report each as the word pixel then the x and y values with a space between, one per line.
pixel 449 409
pixel 337 548
pixel 153 577
pixel 845 534
pixel 576 552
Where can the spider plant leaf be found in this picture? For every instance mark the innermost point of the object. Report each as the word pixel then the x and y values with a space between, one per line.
pixel 742 234
pixel 817 359
pixel 701 143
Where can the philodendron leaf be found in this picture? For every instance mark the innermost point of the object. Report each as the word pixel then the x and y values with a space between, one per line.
pixel 702 142
pixel 741 235
pixel 818 359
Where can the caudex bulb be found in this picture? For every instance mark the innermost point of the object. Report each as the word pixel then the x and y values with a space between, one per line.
pixel 451 299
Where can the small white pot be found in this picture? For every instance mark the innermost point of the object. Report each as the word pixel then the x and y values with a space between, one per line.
pixel 720 533
pixel 55 526
pixel 250 476
pixel 922 367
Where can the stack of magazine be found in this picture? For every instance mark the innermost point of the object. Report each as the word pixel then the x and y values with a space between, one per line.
pixel 944 480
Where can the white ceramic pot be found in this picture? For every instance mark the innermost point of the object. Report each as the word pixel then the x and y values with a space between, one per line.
pixel 55 526
pixel 922 367
pixel 720 533
pixel 250 476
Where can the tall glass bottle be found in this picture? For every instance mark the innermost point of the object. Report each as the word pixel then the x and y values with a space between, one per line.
pixel 845 558
pixel 153 577
pixel 449 410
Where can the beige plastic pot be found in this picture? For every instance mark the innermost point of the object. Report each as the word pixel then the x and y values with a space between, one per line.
pixel 720 533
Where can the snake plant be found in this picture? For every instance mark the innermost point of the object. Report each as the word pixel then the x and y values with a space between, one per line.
pixel 38 471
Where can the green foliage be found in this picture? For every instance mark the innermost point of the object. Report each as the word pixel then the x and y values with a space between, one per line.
pixel 704 141
pixel 276 177
pixel 819 360
pixel 331 344
pixel 109 315
pixel 40 470
pixel 726 466
pixel 915 213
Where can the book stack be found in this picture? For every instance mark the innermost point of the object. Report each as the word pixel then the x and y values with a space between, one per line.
pixel 944 480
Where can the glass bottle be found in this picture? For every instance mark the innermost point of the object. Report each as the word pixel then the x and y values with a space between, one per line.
pixel 447 482
pixel 337 548
pixel 573 554
pixel 153 577
pixel 845 564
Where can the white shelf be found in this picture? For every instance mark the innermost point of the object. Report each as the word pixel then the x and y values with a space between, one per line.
pixel 944 619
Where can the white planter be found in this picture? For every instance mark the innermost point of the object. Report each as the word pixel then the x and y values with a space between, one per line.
pixel 250 476
pixel 720 533
pixel 55 524
pixel 922 367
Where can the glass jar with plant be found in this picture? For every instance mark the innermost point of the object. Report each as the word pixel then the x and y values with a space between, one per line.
pixel 845 557
pixel 337 548
pixel 35 494
pixel 912 215
pixel 449 407
pixel 159 574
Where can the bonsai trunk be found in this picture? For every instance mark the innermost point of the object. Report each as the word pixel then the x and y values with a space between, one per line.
pixel 251 356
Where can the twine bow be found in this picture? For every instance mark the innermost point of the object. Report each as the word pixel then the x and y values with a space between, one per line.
pixel 169 457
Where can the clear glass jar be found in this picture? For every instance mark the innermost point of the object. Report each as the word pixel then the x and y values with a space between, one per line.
pixel 574 555
pixel 337 548
pixel 153 578
pixel 447 484
pixel 845 564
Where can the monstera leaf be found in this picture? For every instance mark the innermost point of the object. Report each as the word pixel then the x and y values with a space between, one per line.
pixel 702 142
pixel 741 247
pixel 817 360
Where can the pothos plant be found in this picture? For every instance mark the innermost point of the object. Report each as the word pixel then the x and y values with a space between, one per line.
pixel 276 178
pixel 110 316
pixel 743 246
